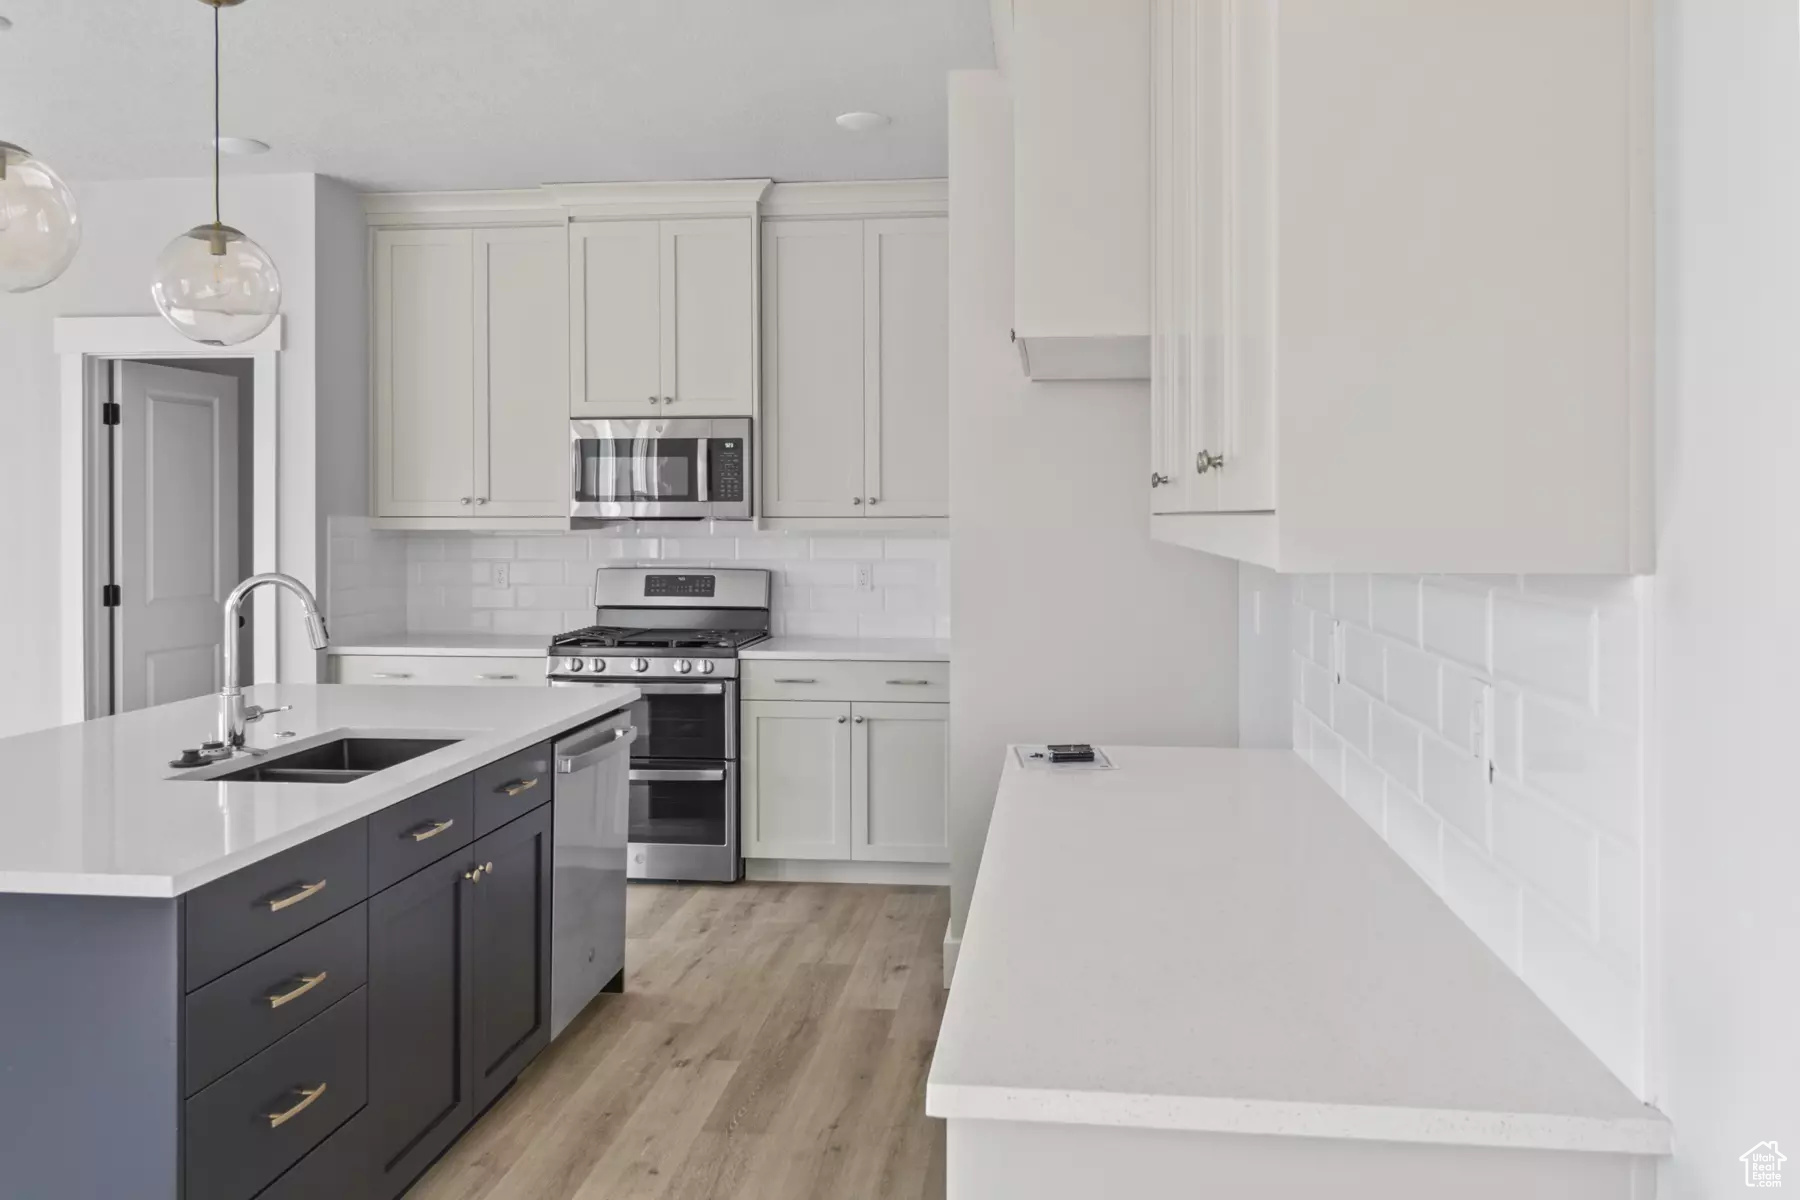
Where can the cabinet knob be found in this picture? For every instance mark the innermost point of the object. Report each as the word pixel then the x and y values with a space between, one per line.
pixel 464 500
pixel 841 720
pixel 1157 480
pixel 481 499
pixel 656 399
pixel 473 876
pixel 1204 462
pixel 874 500
pixel 860 720
pixel 668 399
pixel 856 500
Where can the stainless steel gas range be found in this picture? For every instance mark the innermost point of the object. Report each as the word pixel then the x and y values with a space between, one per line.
pixel 675 634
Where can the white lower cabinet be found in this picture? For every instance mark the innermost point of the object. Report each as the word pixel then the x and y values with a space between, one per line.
pixel 846 781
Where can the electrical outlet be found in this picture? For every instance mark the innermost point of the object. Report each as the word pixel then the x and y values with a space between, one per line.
pixel 865 577
pixel 502 575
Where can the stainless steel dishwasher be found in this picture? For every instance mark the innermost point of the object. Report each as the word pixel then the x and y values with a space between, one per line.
pixel 592 822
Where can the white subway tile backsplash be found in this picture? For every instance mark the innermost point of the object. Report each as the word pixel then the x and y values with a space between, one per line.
pixel 701 549
pixel 552 598
pixel 1554 855
pixel 492 547
pixel 624 549
pixel 1394 606
pixel 1324 642
pixel 810 624
pixel 1548 648
pixel 1506 732
pixel 896 625
pixel 934 549
pixel 1412 684
pixel 1456 788
pixel 863 548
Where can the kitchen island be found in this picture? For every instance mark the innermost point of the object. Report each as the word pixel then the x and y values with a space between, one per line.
pixel 216 989
pixel 1202 974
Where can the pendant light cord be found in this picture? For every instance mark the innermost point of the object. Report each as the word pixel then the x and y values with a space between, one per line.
pixel 216 218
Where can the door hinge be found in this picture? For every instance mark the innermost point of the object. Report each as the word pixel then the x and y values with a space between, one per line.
pixel 109 595
pixel 109 413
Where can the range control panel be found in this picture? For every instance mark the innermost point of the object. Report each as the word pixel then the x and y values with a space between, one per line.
pixel 680 585
pixel 728 469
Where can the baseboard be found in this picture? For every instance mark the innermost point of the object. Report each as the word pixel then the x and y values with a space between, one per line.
pixel 952 948
pixel 805 870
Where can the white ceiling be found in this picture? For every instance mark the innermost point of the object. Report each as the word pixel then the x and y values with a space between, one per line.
pixel 427 94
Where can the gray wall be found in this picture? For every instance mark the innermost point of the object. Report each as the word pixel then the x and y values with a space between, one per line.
pixel 1067 622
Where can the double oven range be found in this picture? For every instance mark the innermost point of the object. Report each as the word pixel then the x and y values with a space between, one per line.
pixel 675 635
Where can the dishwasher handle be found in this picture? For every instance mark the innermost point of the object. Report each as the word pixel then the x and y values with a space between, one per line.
pixel 579 756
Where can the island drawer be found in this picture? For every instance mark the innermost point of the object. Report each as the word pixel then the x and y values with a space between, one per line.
pixel 817 679
pixel 338 1168
pixel 232 920
pixel 512 787
pixel 262 1118
pixel 439 670
pixel 415 833
pixel 249 1009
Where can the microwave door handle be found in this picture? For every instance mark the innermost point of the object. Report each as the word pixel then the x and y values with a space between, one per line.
pixel 703 475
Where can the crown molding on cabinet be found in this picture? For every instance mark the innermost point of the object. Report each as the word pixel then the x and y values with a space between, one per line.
pixel 859 198
pixel 714 197
pixel 520 206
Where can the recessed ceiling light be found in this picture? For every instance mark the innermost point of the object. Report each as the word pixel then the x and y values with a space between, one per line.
pixel 242 146
pixel 862 122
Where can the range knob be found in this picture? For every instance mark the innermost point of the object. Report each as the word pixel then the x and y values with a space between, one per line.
pixel 683 666
pixel 642 664
pixel 706 666
pixel 598 664
pixel 576 665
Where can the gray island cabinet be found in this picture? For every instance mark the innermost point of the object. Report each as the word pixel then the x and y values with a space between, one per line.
pixel 321 1021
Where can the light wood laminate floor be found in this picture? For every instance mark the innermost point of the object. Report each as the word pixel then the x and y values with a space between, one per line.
pixel 772 1042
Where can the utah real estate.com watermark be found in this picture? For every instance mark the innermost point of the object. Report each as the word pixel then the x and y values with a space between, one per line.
pixel 1762 1165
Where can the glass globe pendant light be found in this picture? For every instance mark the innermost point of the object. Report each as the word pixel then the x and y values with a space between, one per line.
pixel 39 228
pixel 213 284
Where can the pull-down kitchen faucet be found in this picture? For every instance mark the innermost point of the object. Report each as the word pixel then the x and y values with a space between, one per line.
pixel 234 715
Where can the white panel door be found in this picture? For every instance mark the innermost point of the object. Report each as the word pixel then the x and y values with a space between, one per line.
pixel 796 779
pixel 1170 137
pixel 615 318
pixel 906 317
pixel 1203 87
pixel 424 372
pixel 708 317
pixel 521 372
pixel 900 786
pixel 175 516
pixel 812 424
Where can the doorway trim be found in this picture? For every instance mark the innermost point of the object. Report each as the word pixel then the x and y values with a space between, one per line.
pixel 87 346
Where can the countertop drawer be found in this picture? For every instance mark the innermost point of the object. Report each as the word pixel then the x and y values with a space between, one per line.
pixel 815 679
pixel 232 920
pixel 428 669
pixel 261 1119
pixel 512 787
pixel 242 1013
pixel 415 833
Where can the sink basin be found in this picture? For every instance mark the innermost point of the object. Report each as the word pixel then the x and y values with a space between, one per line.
pixel 340 761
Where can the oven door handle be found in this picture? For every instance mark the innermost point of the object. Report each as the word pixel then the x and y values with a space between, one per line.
pixel 678 689
pixel 646 775
pixel 586 754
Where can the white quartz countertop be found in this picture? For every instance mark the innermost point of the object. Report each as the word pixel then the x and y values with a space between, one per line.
pixel 863 649
pixel 451 645
pixel 1211 940
pixel 94 809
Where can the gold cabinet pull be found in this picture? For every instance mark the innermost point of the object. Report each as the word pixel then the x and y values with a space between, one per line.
pixel 307 984
pixel 520 787
pixel 307 1096
pixel 304 892
pixel 425 833
pixel 909 683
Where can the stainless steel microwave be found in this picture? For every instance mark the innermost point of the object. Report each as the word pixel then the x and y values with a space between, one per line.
pixel 660 470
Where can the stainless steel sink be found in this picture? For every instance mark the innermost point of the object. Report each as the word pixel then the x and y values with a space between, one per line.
pixel 340 761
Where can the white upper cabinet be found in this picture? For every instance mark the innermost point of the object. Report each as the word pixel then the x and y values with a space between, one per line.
pixel 663 317
pixel 1402 284
pixel 855 391
pixel 470 376
pixel 1079 73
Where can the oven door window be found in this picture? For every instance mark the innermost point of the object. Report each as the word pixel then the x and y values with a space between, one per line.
pixel 691 724
pixel 641 471
pixel 678 804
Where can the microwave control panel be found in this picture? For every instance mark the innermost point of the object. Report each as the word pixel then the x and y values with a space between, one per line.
pixel 728 469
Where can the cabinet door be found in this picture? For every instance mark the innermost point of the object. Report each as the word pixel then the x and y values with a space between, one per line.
pixel 1246 481
pixel 1168 232
pixel 615 320
pixel 424 302
pixel 906 318
pixel 812 426
pixel 510 949
pixel 421 1085
pixel 708 317
pixel 796 779
pixel 521 372
pixel 899 803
